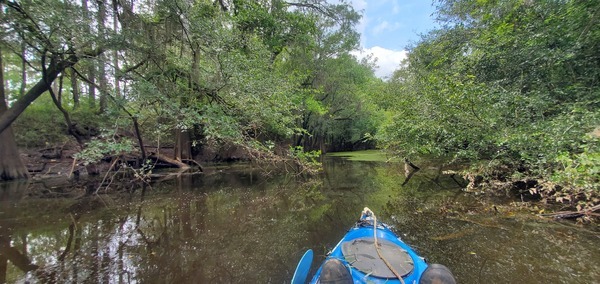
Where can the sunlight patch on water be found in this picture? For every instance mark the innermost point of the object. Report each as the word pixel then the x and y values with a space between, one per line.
pixel 366 156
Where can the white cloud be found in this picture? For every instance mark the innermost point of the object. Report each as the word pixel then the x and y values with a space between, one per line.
pixel 381 27
pixel 388 60
pixel 385 26
pixel 395 8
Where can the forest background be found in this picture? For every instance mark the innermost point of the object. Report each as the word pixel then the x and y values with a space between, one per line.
pixel 510 88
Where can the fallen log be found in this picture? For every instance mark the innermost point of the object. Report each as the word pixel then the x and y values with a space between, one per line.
pixel 194 162
pixel 168 160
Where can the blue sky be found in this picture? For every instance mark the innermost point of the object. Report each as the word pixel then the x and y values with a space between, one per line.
pixel 389 26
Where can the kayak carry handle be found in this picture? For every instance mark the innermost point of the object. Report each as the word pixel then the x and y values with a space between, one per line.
pixel 366 213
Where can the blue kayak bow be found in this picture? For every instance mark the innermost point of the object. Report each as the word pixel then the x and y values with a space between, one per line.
pixel 303 268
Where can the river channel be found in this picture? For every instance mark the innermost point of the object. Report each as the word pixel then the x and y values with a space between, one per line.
pixel 232 224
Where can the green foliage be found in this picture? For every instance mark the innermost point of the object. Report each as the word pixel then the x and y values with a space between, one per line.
pixel 40 125
pixel 580 173
pixel 239 74
pixel 314 106
pixel 342 112
pixel 308 160
pixel 512 82
pixel 107 144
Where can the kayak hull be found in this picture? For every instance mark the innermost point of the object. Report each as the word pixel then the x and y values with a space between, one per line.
pixel 365 230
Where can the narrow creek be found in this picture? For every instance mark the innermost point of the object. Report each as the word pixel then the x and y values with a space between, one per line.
pixel 234 225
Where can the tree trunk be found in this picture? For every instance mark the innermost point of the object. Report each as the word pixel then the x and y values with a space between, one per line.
pixel 116 52
pixel 11 166
pixel 92 67
pixel 92 87
pixel 102 58
pixel 23 69
pixel 74 89
pixel 183 148
pixel 57 88
pixel 138 135
pixel 55 93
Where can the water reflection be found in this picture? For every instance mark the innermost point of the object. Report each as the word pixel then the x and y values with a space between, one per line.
pixel 237 226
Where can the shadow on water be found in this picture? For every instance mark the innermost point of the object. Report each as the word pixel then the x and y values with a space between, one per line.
pixel 237 226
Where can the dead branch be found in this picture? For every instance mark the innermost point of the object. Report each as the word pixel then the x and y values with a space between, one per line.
pixel 574 214
pixel 168 160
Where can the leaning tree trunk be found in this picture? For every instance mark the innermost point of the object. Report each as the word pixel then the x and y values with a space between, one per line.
pixel 11 166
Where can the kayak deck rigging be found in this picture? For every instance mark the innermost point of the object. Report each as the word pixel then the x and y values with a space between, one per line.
pixel 361 254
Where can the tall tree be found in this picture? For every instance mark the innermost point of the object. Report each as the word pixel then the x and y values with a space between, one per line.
pixel 11 166
pixel 330 105
pixel 115 55
pixel 74 88
pixel 54 52
pixel 23 69
pixel 233 72
pixel 101 5
pixel 91 70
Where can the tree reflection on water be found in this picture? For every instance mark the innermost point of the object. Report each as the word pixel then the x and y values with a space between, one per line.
pixel 176 231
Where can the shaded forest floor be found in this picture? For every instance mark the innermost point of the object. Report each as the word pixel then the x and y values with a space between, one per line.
pixel 59 160
pixel 52 161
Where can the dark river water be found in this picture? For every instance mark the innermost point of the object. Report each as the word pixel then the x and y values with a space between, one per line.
pixel 231 224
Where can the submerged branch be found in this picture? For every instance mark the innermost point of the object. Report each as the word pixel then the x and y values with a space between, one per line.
pixel 574 214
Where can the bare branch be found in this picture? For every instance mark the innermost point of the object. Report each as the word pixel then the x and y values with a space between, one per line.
pixel 320 9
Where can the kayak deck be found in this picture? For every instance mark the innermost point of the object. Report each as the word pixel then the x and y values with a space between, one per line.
pixel 361 254
pixel 357 251
pixel 371 253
